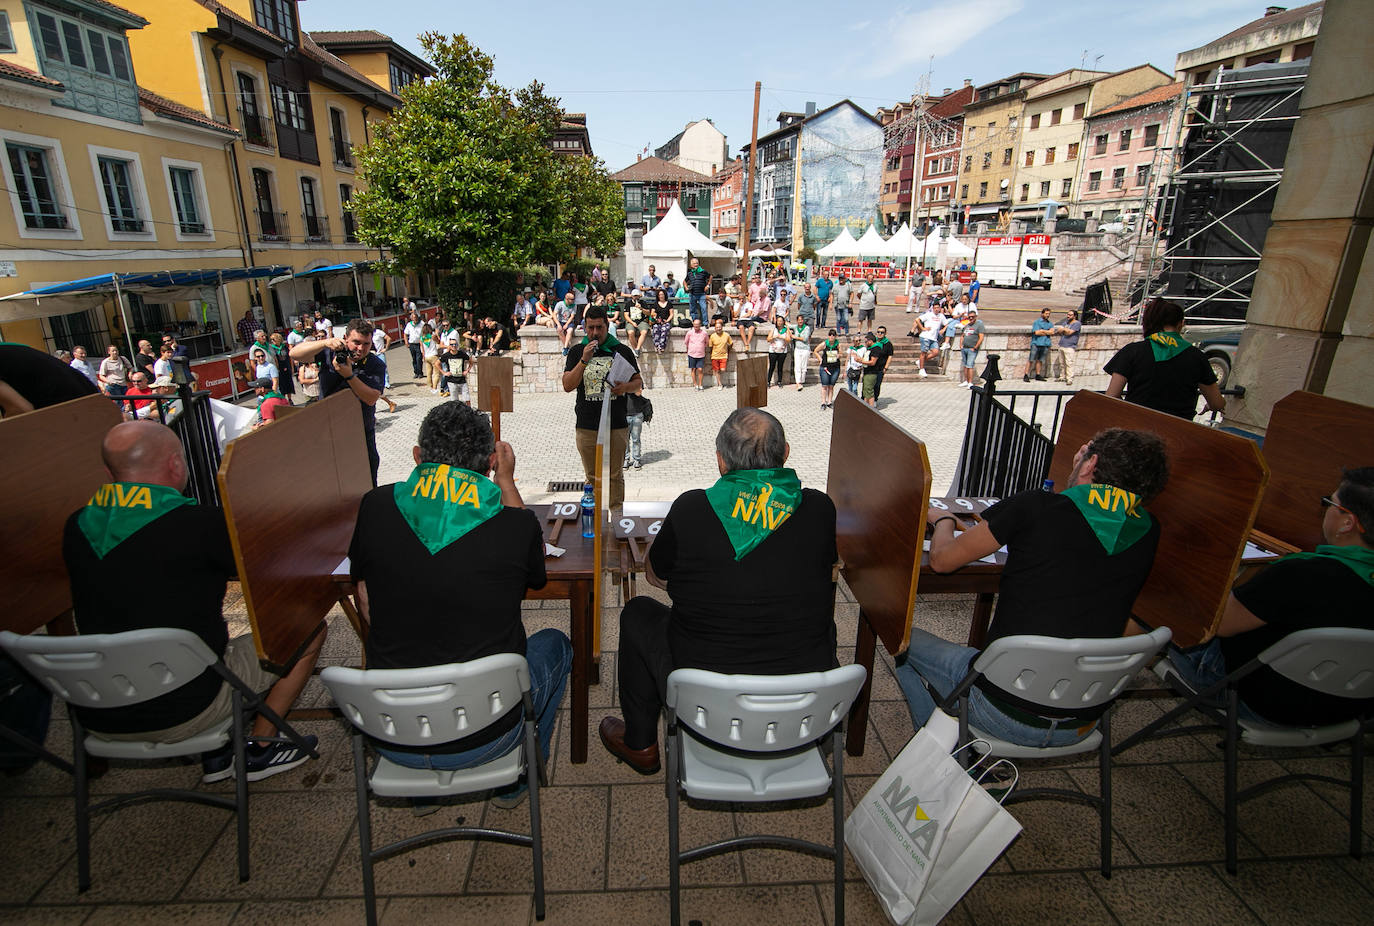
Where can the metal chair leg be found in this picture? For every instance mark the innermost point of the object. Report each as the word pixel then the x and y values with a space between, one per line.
pixel 1104 790
pixel 837 799
pixel 532 764
pixel 240 782
pixel 1231 762
pixel 83 805
pixel 672 745
pixel 364 828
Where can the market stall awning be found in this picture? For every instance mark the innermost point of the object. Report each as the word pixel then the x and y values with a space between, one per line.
pixel 362 266
pixel 167 285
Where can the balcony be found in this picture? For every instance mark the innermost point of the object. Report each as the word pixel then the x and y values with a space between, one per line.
pixel 316 227
pixel 343 152
pixel 350 228
pixel 272 226
pixel 257 129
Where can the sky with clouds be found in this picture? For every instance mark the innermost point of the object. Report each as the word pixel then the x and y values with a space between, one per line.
pixel 641 71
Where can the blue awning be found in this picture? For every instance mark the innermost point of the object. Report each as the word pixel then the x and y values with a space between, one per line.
pixel 362 266
pixel 151 281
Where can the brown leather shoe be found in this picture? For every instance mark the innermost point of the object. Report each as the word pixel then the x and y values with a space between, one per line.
pixel 645 761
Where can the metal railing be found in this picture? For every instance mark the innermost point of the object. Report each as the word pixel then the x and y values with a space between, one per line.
pixel 272 226
pixel 257 129
pixel 190 417
pixel 343 151
pixel 316 227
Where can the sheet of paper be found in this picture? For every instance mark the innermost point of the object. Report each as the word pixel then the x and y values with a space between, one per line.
pixel 1254 552
pixel 344 568
pixel 622 371
pixel 551 550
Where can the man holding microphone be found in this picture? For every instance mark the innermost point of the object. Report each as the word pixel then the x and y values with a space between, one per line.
pixel 349 365
pixel 588 370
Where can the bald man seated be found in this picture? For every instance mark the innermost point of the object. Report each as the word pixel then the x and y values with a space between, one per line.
pixel 141 554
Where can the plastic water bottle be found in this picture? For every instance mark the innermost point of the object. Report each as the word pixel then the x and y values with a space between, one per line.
pixel 588 512
pixel 1047 486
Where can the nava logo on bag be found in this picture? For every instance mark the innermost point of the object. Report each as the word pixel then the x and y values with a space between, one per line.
pixel 910 816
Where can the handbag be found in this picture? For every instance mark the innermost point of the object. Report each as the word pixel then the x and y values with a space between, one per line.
pixel 924 833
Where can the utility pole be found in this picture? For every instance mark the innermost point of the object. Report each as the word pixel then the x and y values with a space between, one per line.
pixel 749 192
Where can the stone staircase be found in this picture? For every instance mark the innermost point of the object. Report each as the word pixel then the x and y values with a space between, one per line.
pixel 904 365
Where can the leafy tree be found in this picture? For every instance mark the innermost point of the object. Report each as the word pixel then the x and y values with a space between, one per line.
pixel 463 176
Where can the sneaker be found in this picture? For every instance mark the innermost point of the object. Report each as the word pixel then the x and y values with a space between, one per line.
pixel 1040 379
pixel 639 464
pixel 921 373
pixel 275 758
pixel 217 765
pixel 1025 378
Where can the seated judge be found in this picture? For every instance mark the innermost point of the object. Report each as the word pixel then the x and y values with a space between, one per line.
pixel 1332 586
pixel 748 565
pixel 459 515
pixel 1100 524
pixel 139 524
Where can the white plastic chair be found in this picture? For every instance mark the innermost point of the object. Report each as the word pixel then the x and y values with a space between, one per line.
pixel 1064 676
pixel 1337 661
pixel 430 707
pixel 752 739
pixel 105 671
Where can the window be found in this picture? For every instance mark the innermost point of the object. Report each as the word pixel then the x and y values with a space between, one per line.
pixel 1125 143
pixel 1072 154
pixel 186 200
pixel 963 191
pixel 277 17
pixel 270 224
pixel 93 63
pixel 1078 110
pixel 1118 178
pixel 634 198
pixel 34 187
pixel 1044 188
pixel 401 76
pixel 972 132
pixel 987 159
pixel 1267 58
pixel 6 38
pixel 1011 122
pixel 1100 144
pixel 310 213
pixel 1025 192
pixel 1030 158
pixel 968 162
pixel 1049 155
pixel 1006 157
pixel 1303 50
pixel 983 190
pixel 338 138
pixel 1094 181
pixel 117 184
pixel 1057 117
pixel 1066 190
pixel 1142 174
pixel 250 116
pixel 291 108
pixel 1035 121
pixel 350 229
pixel 944 192
pixel 946 165
pixel 1151 135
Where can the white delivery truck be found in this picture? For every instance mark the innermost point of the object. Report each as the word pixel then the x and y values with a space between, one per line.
pixel 1021 260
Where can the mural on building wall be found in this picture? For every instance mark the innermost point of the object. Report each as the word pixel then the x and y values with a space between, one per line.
pixel 841 169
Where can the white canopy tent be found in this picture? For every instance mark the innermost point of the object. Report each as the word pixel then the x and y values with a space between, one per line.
pixel 670 243
pixel 844 245
pixel 872 243
pixel 903 243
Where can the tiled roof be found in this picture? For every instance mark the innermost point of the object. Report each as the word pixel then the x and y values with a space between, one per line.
pixel 115 8
pixel 10 71
pixel 215 7
pixel 1148 98
pixel 174 110
pixel 578 118
pixel 311 49
pixel 953 103
pixel 651 168
pixel 348 36
pixel 1297 14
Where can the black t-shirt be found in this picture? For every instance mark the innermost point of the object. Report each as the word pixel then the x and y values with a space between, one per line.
pixel 372 372
pixel 1058 580
pixel 41 378
pixel 883 353
pixel 1164 385
pixel 185 555
pixel 145 363
pixel 771 612
pixel 588 407
pixel 454 364
pixel 456 605
pixel 1294 595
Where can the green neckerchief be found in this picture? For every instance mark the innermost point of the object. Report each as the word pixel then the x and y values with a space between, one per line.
pixel 752 503
pixel 881 341
pixel 270 394
pixel 1167 344
pixel 832 345
pixel 1360 559
pixel 118 510
pixel 1116 516
pixel 441 503
pixel 607 344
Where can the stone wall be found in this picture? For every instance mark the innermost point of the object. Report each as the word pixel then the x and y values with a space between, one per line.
pixel 540 360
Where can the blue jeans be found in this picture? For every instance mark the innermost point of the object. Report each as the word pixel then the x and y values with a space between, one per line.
pixel 841 319
pixel 941 664
pixel 823 310
pixel 1203 666
pixel 696 306
pixel 632 447
pixel 549 654
pixel 386 383
pixel 853 384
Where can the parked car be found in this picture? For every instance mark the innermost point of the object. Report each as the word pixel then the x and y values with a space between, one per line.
pixel 1218 343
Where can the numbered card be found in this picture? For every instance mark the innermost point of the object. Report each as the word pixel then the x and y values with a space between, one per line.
pixel 637 527
pixel 558 511
pixel 963 506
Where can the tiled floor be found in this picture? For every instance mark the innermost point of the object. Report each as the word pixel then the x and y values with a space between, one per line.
pixel 606 842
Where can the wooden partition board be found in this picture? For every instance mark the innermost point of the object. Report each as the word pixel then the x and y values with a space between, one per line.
pixel 1310 439
pixel 879 480
pixel 751 381
pixel 1205 512
pixel 51 463
pixel 495 371
pixel 288 533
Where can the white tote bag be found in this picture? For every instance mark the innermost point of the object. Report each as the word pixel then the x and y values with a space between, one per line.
pixel 919 836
